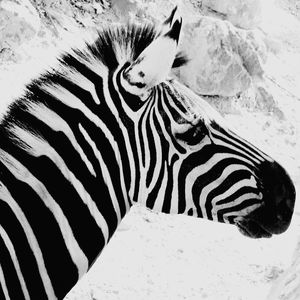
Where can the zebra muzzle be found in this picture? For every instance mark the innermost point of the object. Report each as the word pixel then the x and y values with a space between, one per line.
pixel 275 214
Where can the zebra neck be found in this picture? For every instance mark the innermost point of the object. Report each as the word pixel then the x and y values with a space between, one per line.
pixel 67 162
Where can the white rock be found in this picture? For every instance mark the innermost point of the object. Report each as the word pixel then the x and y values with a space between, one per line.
pixel 224 60
pixel 19 22
pixel 124 9
pixel 242 13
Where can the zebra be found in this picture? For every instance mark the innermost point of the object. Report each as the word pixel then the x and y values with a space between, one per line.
pixel 108 127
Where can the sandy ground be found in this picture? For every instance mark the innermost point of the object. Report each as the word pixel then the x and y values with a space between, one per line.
pixel 173 257
pixel 157 256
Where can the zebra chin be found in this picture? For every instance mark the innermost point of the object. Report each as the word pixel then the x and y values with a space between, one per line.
pixel 252 229
pixel 275 214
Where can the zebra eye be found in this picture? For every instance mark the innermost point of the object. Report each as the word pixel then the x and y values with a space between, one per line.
pixel 193 135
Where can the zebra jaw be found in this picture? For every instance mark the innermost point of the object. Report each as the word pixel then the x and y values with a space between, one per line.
pixel 154 64
pixel 251 228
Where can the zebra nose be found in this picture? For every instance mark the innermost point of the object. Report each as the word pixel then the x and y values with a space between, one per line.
pixel 279 194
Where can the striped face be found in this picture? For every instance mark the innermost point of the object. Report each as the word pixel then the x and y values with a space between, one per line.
pixel 190 162
pixel 193 164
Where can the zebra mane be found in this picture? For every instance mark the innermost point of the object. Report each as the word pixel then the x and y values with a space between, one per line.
pixel 123 43
pixel 112 46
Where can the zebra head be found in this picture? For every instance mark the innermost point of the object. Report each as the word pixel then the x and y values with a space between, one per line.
pixel 190 161
pixel 104 128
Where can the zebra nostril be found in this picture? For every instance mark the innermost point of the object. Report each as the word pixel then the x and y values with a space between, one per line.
pixel 290 204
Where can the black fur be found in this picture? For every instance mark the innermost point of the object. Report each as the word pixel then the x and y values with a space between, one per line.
pixel 132 36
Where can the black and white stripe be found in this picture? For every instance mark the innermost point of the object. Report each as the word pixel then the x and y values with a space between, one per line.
pixel 79 148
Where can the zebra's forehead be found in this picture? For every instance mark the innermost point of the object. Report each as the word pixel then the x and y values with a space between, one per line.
pixel 198 111
pixel 196 108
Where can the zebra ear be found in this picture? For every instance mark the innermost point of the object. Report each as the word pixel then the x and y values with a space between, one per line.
pixel 167 24
pixel 154 63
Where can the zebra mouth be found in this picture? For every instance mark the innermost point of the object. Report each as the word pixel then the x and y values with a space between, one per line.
pixel 252 229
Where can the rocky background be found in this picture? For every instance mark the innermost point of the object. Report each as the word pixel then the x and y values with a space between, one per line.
pixel 245 60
